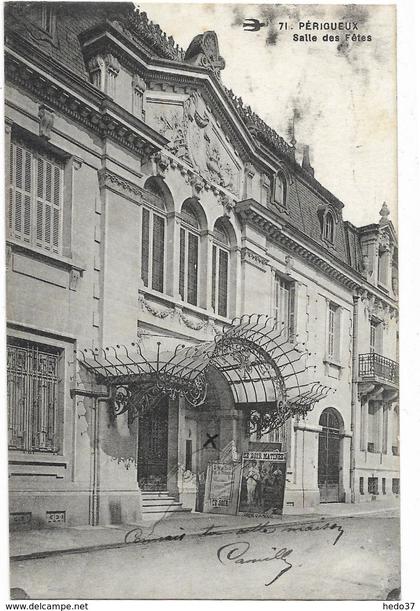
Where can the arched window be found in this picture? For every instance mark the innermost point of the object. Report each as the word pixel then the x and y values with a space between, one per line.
pixel 329 227
pixel 328 222
pixel 279 190
pixel 329 419
pixel 153 234
pixel 189 253
pixel 220 269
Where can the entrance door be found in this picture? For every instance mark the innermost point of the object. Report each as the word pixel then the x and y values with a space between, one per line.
pixel 153 448
pixel 329 457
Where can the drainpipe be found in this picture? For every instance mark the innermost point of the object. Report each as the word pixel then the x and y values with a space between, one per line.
pixel 94 496
pixel 354 401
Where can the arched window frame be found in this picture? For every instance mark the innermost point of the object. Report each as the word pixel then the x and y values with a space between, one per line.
pixel 189 256
pixel 328 222
pixel 221 264
pixel 153 240
pixel 279 190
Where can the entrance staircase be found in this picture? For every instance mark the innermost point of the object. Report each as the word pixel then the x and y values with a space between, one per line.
pixel 156 505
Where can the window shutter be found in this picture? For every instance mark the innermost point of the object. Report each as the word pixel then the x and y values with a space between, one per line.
pixel 223 282
pixel 145 246
pixel 11 188
pixel 20 195
pixel 182 263
pixel 192 268
pixel 40 204
pixel 158 253
pixel 56 208
pixel 48 204
pixel 35 198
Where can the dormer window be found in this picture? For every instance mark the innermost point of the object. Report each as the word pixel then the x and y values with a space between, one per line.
pixel 328 225
pixel 279 190
pixel 47 17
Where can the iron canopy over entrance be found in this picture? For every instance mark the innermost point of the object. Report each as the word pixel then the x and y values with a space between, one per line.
pixel 266 372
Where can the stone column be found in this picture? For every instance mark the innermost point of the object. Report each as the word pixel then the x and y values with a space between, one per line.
pixel 176 442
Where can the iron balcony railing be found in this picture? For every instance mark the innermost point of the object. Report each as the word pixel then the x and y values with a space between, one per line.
pixel 374 366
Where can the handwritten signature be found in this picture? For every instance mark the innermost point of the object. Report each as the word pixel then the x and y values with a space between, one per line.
pixel 237 553
pixel 137 535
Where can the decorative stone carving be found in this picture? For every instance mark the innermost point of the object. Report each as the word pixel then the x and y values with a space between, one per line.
pixel 74 279
pixel 161 165
pixel 172 126
pixel 289 264
pixel 254 258
pixel 139 84
pixel 197 184
pixel 189 322
pixel 383 242
pixel 155 311
pixel 46 121
pixel 192 138
pixel 204 52
pixel 227 203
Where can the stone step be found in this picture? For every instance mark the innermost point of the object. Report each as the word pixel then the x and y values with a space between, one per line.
pixel 155 495
pixel 160 503
pixel 157 514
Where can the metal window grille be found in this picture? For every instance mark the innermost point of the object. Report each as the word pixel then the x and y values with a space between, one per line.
pixel 395 485
pixel 373 485
pixel 35 197
pixel 32 385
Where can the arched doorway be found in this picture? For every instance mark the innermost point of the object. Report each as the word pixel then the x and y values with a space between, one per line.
pixel 329 456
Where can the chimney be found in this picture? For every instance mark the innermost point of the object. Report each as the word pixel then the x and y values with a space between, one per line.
pixel 306 163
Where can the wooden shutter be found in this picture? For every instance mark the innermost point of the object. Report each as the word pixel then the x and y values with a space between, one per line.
pixel 48 204
pixel 158 253
pixel 192 269
pixel 21 185
pixel 145 230
pixel 223 282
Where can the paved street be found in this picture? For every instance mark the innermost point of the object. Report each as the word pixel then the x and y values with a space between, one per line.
pixel 333 558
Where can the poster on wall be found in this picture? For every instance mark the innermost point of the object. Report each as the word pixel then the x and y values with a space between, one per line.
pixel 263 477
pixel 222 487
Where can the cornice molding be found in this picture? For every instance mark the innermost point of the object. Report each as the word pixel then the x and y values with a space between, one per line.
pixel 102 120
pixel 250 211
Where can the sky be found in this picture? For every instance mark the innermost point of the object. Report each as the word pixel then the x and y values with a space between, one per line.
pixel 341 95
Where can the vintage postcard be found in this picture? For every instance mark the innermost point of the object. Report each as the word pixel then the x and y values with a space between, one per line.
pixel 202 301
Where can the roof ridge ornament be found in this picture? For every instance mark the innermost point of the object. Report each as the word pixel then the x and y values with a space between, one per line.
pixel 204 52
pixel 384 214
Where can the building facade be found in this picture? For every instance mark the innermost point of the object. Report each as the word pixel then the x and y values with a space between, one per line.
pixel 148 207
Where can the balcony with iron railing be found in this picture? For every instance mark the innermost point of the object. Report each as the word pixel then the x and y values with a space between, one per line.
pixel 377 368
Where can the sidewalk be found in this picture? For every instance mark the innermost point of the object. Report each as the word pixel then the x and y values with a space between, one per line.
pixel 30 544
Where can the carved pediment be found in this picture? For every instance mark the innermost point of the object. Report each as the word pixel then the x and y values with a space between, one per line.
pixel 195 138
